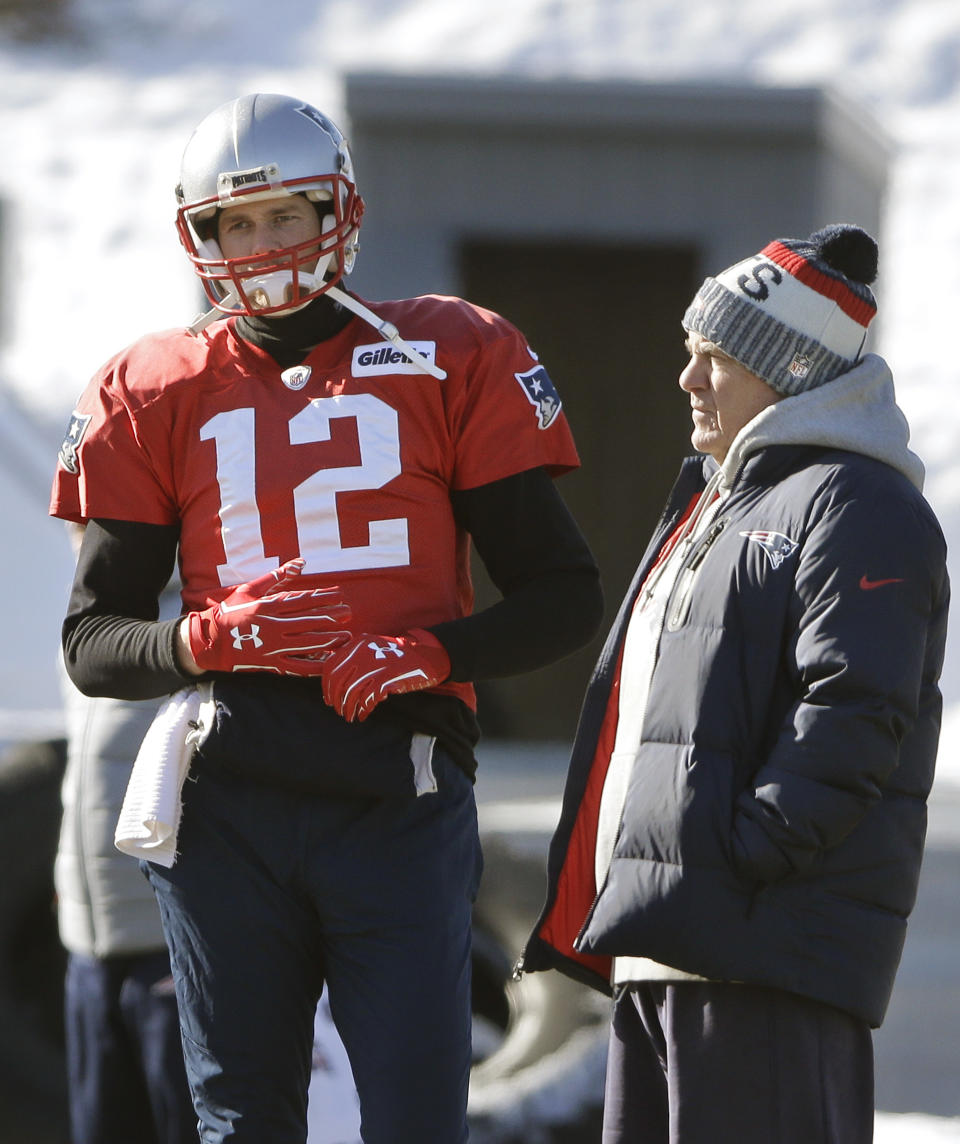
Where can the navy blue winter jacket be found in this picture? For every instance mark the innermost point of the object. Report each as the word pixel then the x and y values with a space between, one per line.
pixel 775 817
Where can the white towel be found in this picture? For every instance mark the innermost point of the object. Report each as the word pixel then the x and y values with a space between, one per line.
pixel 150 815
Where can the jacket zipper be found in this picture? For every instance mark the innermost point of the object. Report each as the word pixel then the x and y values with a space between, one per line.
pixel 675 614
pixel 683 592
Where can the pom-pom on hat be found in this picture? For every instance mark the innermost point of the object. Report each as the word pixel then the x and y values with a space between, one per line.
pixel 797 313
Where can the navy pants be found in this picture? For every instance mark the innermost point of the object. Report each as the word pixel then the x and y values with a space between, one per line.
pixel 124 1060
pixel 713 1063
pixel 275 893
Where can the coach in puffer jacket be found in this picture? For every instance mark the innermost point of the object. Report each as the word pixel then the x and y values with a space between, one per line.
pixel 745 812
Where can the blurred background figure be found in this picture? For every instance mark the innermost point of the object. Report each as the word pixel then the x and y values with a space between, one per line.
pixel 125 1073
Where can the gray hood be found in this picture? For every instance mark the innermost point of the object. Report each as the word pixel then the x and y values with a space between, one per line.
pixel 857 412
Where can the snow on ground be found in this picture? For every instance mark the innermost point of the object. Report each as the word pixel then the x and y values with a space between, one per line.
pixel 912 1128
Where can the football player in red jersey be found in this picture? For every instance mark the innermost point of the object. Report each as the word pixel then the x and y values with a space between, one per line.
pixel 319 467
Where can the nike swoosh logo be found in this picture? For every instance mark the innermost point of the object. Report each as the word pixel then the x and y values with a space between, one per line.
pixel 869 585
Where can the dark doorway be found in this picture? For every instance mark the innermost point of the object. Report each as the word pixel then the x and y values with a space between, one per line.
pixel 605 321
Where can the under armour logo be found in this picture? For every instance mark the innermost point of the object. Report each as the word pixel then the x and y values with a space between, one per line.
pixel 240 638
pixel 380 652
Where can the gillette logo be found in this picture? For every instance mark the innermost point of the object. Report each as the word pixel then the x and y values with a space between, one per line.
pixel 385 358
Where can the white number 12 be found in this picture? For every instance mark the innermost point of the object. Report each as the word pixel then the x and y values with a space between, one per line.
pixel 315 499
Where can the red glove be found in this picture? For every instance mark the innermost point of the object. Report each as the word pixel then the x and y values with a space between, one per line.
pixel 266 626
pixel 358 675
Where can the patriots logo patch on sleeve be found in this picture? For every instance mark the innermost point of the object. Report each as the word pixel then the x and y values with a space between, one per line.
pixel 776 546
pixel 71 441
pixel 542 395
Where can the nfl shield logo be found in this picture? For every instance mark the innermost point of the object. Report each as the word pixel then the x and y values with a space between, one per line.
pixel 800 366
pixel 296 377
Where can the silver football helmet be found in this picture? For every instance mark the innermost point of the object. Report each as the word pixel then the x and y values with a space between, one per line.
pixel 262 147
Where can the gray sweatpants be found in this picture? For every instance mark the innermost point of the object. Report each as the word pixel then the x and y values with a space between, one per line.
pixel 715 1063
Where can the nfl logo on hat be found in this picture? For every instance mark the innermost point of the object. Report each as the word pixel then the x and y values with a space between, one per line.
pixel 800 366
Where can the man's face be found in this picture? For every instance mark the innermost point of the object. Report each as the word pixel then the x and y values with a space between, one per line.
pixel 724 396
pixel 266 225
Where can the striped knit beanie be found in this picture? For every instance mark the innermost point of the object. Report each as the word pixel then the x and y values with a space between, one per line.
pixel 797 313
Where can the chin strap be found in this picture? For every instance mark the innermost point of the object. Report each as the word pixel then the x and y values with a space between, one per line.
pixel 204 318
pixel 387 330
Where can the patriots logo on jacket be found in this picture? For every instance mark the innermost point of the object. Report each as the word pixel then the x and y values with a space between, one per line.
pixel 541 393
pixel 777 546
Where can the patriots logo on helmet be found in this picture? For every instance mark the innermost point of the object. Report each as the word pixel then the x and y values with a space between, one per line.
pixel 777 546
pixel 71 441
pixel 319 118
pixel 542 395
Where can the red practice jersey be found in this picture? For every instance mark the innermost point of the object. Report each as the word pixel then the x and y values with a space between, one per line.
pixel 346 460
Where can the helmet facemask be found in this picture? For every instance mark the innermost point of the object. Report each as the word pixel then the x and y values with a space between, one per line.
pixel 282 280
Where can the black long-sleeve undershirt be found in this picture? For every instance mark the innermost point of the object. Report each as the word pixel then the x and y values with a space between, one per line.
pixel 523 532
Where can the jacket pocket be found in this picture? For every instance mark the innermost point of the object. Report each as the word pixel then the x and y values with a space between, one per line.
pixel 678 807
